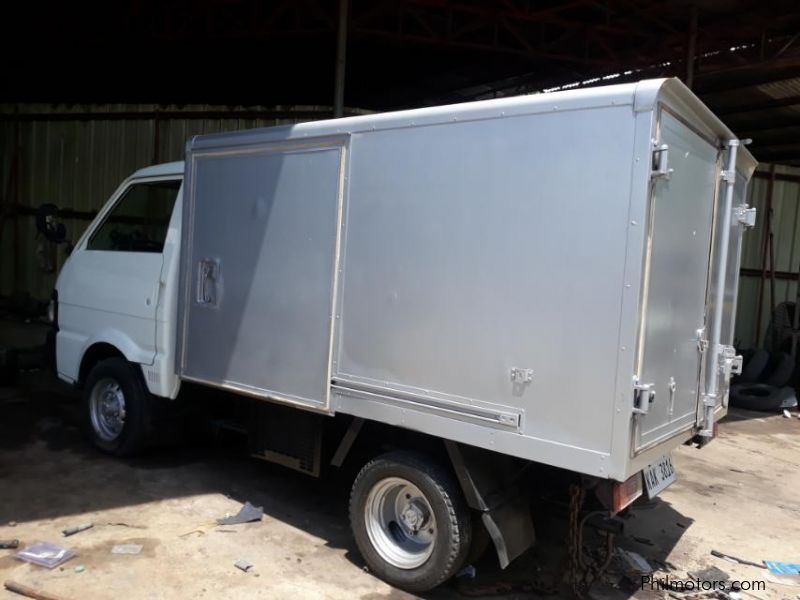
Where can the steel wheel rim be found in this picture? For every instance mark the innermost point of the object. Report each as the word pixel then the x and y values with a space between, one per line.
pixel 107 409
pixel 400 523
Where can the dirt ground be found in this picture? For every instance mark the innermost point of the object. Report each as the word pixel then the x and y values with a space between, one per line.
pixel 739 495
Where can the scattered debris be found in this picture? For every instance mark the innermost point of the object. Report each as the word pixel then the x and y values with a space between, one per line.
pixel 782 568
pixel 740 591
pixel 24 590
pixel 121 524
pixel 45 554
pixel 643 540
pixel 783 572
pixel 226 531
pixel 8 544
pixel 201 529
pixel 663 565
pixel 188 533
pixel 709 574
pixel 786 414
pixel 79 569
pixel 77 529
pixel 635 562
pixel 467 572
pixel 243 565
pixel 736 559
pixel 704 595
pixel 12 523
pixel 697 596
pixel 681 525
pixel 127 549
pixel 246 514
pixel 494 589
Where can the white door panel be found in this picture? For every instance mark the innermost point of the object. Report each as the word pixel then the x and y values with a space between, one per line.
pixel 113 290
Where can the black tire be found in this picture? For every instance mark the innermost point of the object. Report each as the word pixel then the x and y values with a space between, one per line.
pixel 756 396
pixel 787 397
pixel 134 429
pixel 753 368
pixel 453 533
pixel 780 371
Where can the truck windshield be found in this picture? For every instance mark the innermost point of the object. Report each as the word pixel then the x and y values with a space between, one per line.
pixel 139 220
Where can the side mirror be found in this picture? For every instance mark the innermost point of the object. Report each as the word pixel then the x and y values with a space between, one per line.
pixel 46 224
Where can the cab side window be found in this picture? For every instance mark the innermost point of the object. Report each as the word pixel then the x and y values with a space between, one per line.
pixel 139 220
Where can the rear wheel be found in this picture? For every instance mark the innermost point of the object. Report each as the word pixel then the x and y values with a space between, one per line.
pixel 410 521
pixel 116 407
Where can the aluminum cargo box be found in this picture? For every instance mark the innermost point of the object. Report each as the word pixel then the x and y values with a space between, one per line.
pixel 536 275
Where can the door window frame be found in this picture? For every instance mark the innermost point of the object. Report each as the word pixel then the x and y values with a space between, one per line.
pixel 114 201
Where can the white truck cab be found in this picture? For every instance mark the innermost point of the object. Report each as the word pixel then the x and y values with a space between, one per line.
pixel 117 291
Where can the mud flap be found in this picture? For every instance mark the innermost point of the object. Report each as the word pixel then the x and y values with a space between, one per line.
pixel 486 480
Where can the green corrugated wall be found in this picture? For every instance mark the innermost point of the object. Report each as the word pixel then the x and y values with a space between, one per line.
pixel 786 244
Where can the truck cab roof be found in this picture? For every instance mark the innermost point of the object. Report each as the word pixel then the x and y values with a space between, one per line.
pixel 170 168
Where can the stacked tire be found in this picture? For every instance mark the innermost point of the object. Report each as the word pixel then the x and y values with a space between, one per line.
pixel 763 383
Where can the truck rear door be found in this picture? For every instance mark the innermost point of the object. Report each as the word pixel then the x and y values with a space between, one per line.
pixel 676 285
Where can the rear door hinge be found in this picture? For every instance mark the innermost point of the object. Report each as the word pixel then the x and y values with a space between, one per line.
pixel 745 215
pixel 702 340
pixel 644 394
pixel 660 163
pixel 731 363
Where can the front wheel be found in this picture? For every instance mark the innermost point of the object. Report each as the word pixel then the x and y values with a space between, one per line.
pixel 116 407
pixel 410 521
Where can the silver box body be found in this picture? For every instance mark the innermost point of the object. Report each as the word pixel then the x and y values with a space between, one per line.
pixel 495 273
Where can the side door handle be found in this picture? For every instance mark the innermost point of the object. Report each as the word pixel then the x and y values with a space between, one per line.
pixel 209 282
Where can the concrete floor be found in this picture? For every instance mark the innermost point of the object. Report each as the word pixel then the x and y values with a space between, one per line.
pixel 739 495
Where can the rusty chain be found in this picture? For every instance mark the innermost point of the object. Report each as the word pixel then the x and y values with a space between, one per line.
pixel 584 570
pixel 578 568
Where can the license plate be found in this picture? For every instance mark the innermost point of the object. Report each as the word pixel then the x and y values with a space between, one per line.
pixel 658 476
